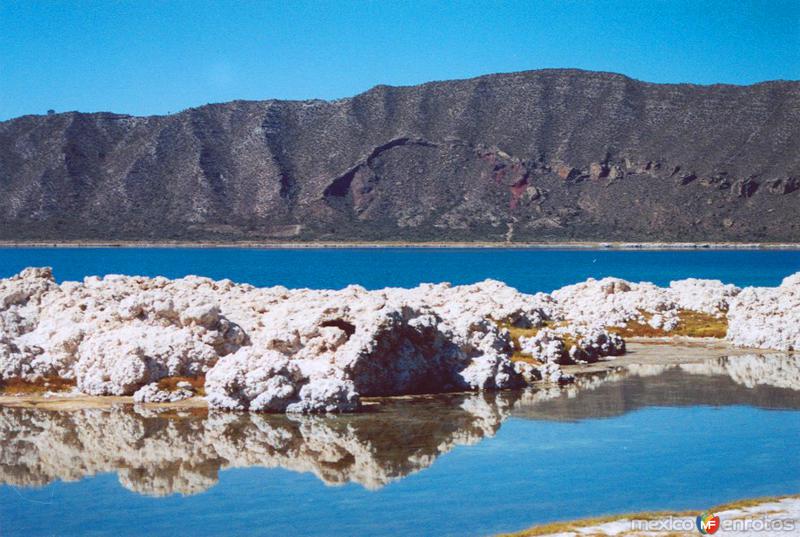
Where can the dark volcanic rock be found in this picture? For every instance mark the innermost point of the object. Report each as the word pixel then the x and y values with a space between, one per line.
pixel 543 155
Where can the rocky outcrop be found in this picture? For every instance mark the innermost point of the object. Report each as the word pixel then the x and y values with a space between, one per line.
pixel 616 302
pixel 305 351
pixel 269 349
pixel 767 317
pixel 557 154
pixel 112 335
pixel 153 393
pixel 572 344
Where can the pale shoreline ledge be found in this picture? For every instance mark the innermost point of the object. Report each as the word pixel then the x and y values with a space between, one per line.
pixel 565 245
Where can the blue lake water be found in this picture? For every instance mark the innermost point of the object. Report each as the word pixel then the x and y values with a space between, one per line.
pixel 529 270
pixel 454 465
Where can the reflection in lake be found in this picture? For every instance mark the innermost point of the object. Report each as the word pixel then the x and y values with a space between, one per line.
pixel 164 453
pixel 764 381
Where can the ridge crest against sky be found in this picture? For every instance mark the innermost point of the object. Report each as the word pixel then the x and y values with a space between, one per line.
pixel 157 57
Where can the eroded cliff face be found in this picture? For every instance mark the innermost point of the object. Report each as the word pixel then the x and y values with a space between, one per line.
pixel 541 155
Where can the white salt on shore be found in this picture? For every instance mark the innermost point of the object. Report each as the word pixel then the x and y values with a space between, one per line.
pixel 281 350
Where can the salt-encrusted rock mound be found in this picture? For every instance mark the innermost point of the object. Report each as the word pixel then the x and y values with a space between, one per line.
pixel 616 302
pixel 767 317
pixel 184 454
pixel 111 335
pixel 270 349
pixel 572 344
pixel 301 350
pixel 153 393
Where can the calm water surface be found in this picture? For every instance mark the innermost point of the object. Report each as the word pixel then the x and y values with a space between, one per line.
pixel 659 438
pixel 529 270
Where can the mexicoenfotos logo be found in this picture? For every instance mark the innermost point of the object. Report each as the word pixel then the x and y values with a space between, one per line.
pixel 708 524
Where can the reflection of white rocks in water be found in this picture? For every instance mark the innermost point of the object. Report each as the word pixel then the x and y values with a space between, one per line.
pixel 580 384
pixel 164 452
pixel 749 370
pixel 281 350
pixel 152 456
pixel 158 455
pixel 768 381
pixel 752 370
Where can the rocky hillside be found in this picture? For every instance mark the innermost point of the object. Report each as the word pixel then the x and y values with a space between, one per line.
pixel 532 156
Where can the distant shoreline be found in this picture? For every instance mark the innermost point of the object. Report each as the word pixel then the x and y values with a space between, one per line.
pixel 579 245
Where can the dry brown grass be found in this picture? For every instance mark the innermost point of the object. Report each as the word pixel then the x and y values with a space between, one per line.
pixel 170 384
pixel 58 384
pixel 697 324
pixel 517 333
pixel 692 324
pixel 44 385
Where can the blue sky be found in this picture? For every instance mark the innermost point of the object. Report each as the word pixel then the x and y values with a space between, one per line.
pixel 153 57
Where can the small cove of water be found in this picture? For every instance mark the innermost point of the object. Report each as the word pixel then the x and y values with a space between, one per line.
pixel 529 270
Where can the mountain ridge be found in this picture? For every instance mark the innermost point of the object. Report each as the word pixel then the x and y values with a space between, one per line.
pixel 554 70
pixel 543 155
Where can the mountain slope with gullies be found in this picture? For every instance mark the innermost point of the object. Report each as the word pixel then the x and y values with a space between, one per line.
pixel 534 156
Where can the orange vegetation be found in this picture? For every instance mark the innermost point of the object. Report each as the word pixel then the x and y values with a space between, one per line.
pixel 170 384
pixel 43 385
pixel 692 324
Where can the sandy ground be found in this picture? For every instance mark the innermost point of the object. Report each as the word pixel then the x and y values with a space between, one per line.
pixel 640 351
pixel 75 401
pixel 664 351
pixel 391 244
pixel 771 517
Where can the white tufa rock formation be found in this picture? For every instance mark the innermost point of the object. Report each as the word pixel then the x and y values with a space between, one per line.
pixel 589 344
pixel 615 302
pixel 281 350
pixel 767 317
pixel 271 349
pixel 151 393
